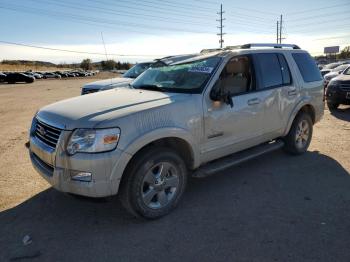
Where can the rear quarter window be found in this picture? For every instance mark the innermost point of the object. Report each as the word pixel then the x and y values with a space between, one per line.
pixel 307 67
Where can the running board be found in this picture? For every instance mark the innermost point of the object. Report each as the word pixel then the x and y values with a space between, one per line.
pixel 236 158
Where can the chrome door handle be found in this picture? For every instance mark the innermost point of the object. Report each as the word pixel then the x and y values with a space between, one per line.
pixel 254 101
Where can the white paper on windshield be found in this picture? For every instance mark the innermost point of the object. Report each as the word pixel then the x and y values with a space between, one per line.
pixel 201 69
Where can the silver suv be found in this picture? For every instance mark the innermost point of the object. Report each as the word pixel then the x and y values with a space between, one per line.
pixel 195 118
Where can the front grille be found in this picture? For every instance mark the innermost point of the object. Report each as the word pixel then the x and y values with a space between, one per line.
pixel 47 134
pixel 88 91
pixel 345 87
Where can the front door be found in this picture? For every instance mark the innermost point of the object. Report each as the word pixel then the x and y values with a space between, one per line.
pixel 230 129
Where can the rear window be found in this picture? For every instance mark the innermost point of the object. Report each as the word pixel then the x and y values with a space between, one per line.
pixel 307 67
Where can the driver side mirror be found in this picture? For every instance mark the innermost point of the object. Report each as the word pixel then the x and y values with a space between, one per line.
pixel 218 94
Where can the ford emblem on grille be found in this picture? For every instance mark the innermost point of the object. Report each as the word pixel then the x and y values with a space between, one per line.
pixel 42 131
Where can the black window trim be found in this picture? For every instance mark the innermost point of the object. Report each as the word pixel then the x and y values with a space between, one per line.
pixel 258 74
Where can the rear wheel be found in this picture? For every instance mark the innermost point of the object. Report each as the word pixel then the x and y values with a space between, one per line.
pixel 154 183
pixel 332 106
pixel 299 137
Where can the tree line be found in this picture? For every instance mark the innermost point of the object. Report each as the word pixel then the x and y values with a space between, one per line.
pixel 87 64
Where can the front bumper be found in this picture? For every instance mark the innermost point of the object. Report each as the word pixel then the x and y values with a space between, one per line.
pixel 338 96
pixel 57 168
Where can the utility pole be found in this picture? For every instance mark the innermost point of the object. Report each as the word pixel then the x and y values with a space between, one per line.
pixel 221 41
pixel 281 26
pixel 277 34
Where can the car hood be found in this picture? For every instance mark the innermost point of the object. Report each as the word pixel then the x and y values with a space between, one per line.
pixel 108 83
pixel 89 111
pixel 342 77
pixel 331 75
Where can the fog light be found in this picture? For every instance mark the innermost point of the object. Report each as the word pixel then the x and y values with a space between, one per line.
pixel 81 176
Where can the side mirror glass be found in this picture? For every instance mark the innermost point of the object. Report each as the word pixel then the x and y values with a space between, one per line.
pixel 215 93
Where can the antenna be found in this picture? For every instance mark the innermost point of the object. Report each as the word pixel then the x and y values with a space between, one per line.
pixel 104 45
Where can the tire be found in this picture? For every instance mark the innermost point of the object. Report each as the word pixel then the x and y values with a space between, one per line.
pixel 299 137
pixel 332 106
pixel 148 192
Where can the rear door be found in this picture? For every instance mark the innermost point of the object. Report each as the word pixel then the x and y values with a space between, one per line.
pixel 275 91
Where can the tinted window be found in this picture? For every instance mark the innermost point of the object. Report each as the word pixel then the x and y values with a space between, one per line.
pixel 270 70
pixel 285 70
pixel 307 67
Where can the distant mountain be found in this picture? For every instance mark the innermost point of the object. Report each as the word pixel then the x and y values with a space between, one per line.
pixel 29 63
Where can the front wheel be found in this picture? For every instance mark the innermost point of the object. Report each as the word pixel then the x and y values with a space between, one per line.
pixel 154 183
pixel 332 106
pixel 299 137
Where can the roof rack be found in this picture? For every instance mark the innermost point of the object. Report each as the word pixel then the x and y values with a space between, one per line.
pixel 205 51
pixel 247 46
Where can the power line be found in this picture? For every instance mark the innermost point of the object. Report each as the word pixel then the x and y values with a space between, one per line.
pixel 317 16
pixel 334 37
pixel 237 7
pixel 97 20
pixel 126 14
pixel 77 52
pixel 316 9
pixel 154 7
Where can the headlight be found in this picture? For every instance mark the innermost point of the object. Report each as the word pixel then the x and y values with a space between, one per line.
pixel 93 140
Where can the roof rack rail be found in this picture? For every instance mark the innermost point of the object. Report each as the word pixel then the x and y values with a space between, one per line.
pixel 251 45
pixel 205 51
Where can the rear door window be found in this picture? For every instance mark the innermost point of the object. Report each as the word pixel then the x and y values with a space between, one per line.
pixel 269 70
pixel 307 67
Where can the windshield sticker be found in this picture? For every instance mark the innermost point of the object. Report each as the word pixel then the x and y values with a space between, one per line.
pixel 201 69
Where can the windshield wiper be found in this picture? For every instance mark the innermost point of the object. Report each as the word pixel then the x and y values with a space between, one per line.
pixel 151 87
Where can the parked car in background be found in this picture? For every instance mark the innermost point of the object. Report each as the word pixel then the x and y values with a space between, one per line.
pixel 2 77
pixel 131 74
pixel 193 118
pixel 335 72
pixel 35 75
pixel 62 74
pixel 51 75
pixel 80 73
pixel 13 78
pixel 338 90
pixel 328 68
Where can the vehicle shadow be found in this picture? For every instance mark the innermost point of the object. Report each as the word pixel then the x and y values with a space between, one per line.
pixel 342 113
pixel 273 208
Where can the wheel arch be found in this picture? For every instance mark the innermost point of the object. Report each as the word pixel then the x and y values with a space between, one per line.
pixel 178 139
pixel 302 106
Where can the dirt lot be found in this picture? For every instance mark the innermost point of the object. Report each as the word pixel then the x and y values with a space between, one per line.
pixel 275 208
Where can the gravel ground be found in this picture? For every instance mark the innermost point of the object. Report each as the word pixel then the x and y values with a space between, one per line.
pixel 274 208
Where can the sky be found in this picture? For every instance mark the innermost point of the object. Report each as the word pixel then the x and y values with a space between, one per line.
pixel 134 30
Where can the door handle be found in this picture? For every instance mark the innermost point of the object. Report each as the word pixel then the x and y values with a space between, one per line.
pixel 254 101
pixel 292 92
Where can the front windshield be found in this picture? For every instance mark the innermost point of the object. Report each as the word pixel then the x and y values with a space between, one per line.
pixel 185 78
pixel 347 71
pixel 137 70
pixel 331 66
pixel 340 68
